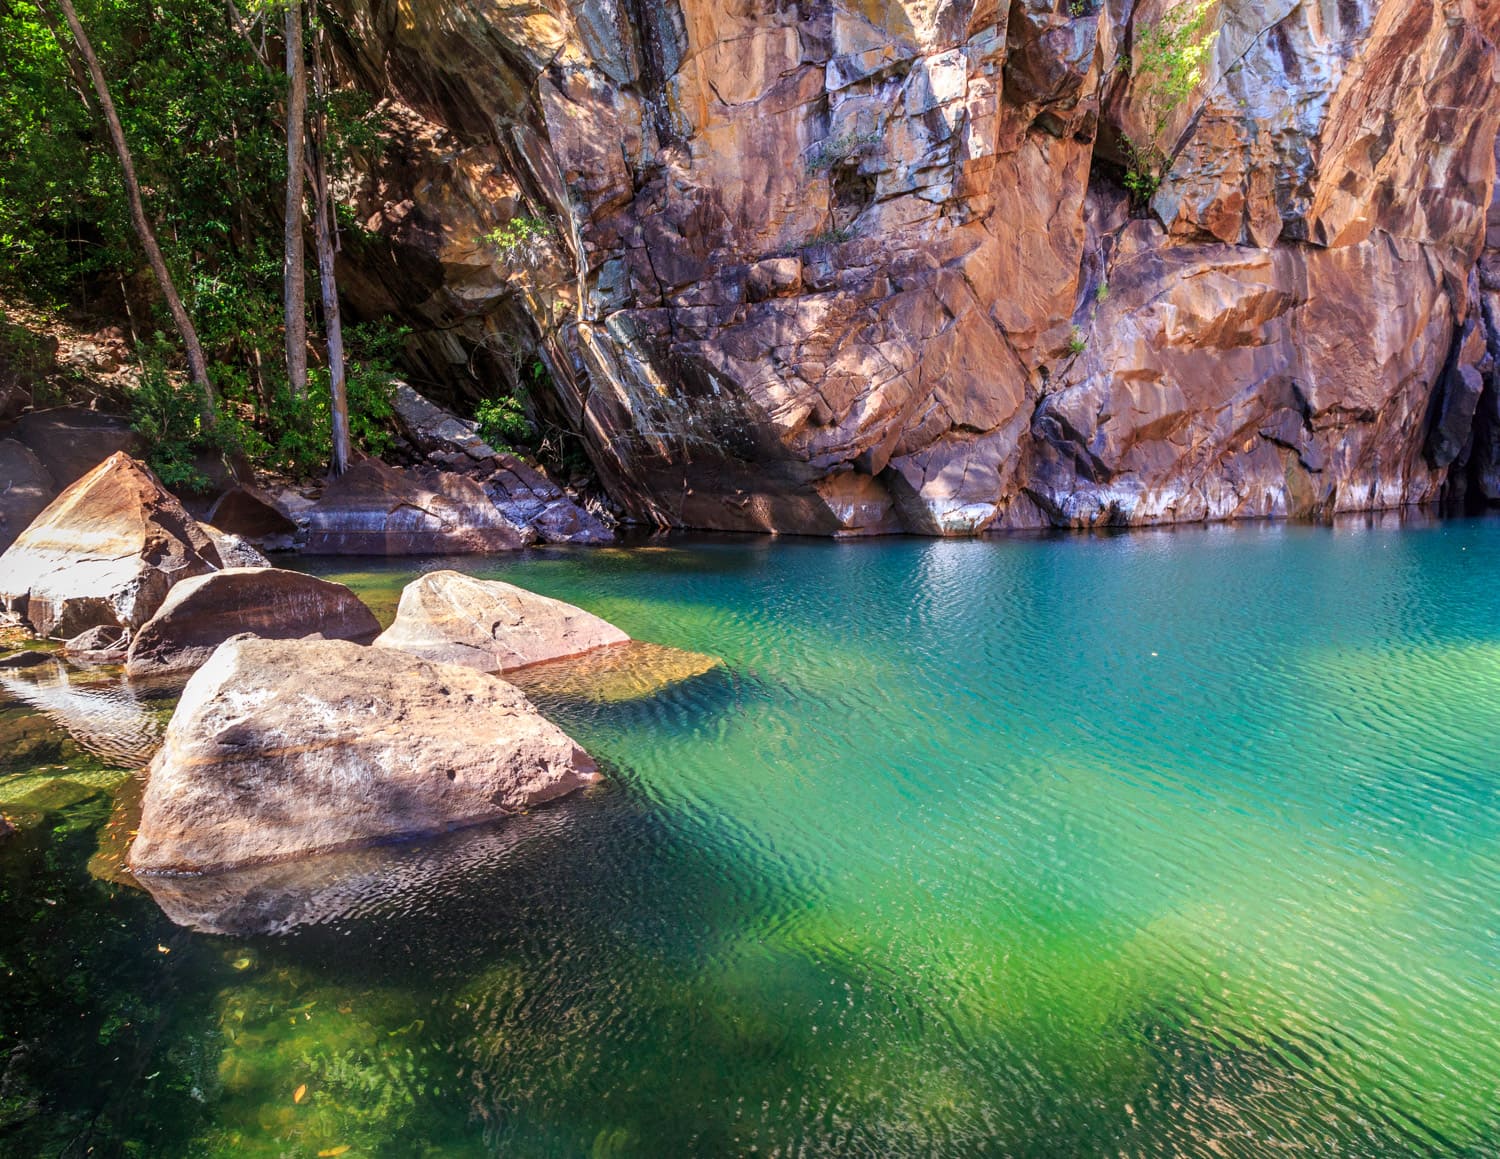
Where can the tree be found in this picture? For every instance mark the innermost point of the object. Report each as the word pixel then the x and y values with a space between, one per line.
pixel 294 274
pixel 1166 61
pixel 197 365
pixel 323 236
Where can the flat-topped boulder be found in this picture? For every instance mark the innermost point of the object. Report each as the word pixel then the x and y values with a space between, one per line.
pixel 492 626
pixel 26 487
pixel 280 748
pixel 201 613
pixel 105 551
pixel 377 509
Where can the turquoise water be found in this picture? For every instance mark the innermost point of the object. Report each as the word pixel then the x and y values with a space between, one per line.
pixel 1165 844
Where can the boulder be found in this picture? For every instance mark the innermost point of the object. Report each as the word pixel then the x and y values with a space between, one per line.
pixel 280 748
pixel 71 441
pixel 524 495
pixel 377 509
pixel 26 487
pixel 105 551
pixel 253 515
pixel 454 618
pixel 201 613
pixel 30 658
pixel 234 550
pixel 103 643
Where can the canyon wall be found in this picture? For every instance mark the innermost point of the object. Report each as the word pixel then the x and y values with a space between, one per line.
pixel 858 266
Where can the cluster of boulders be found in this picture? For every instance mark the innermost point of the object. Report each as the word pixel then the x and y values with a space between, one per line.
pixel 298 729
pixel 460 495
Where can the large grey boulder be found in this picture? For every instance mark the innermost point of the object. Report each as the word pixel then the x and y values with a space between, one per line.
pixel 201 613
pixel 280 748
pixel 456 619
pixel 105 551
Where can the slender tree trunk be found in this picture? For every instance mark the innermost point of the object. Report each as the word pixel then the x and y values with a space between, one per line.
pixel 293 274
pixel 324 236
pixel 197 366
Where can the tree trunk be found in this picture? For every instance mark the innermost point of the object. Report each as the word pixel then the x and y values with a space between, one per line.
pixel 197 366
pixel 323 235
pixel 293 275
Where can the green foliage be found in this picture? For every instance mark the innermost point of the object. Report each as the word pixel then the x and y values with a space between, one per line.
pixel 168 416
pixel 502 422
pixel 521 241
pixel 833 235
pixel 832 152
pixel 1167 63
pixel 1101 294
pixel 1077 343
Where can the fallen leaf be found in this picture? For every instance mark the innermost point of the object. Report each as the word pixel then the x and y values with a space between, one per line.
pixel 298 1094
pixel 330 1152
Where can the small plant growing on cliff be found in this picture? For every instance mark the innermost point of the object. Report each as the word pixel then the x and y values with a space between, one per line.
pixel 832 152
pixel 1077 343
pixel 1101 295
pixel 833 236
pixel 521 241
pixel 1167 62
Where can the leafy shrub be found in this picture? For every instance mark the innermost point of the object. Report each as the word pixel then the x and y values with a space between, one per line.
pixel 1077 343
pixel 1167 62
pixel 502 422
pixel 832 152
pixel 168 415
pixel 521 241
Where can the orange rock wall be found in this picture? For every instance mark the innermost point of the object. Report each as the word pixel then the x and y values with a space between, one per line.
pixel 867 266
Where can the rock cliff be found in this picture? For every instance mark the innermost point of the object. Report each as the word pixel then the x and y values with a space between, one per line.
pixel 854 266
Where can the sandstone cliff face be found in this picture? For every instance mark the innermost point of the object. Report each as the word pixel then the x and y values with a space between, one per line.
pixel 854 266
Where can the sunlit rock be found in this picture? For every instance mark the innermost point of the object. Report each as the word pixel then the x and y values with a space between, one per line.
pixel 489 625
pixel 280 748
pixel 201 613
pixel 105 551
pixel 627 671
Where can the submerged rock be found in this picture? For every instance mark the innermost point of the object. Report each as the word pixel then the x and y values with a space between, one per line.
pixel 377 509
pixel 456 619
pixel 201 613
pixel 628 671
pixel 105 551
pixel 280 748
pixel 26 487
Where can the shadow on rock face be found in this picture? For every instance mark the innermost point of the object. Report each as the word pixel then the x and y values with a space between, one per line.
pixel 408 877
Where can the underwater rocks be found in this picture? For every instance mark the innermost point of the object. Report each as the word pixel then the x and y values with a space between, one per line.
pixel 201 613
pixel 105 551
pixel 453 618
pixel 377 509
pixel 280 748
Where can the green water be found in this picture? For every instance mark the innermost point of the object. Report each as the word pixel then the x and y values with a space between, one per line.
pixel 1168 844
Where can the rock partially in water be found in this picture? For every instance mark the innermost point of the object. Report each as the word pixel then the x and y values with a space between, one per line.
pixel 101 644
pixel 377 509
pixel 454 618
pixel 280 748
pixel 527 496
pixel 201 613
pixel 234 550
pixel 26 487
pixel 27 659
pixel 105 551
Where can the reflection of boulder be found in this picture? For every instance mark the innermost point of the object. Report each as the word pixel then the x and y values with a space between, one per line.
pixel 280 748
pixel 105 551
pixel 201 613
pixel 109 718
pixel 454 618
pixel 376 509
pixel 342 884
pixel 627 672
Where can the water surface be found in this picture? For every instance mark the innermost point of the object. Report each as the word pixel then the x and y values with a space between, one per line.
pixel 1165 844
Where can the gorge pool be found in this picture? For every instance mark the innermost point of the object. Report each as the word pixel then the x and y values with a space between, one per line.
pixel 1160 844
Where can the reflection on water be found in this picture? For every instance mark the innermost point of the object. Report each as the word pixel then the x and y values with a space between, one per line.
pixel 120 722
pixel 1165 844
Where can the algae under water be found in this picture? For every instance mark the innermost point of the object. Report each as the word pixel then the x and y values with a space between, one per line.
pixel 1179 843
